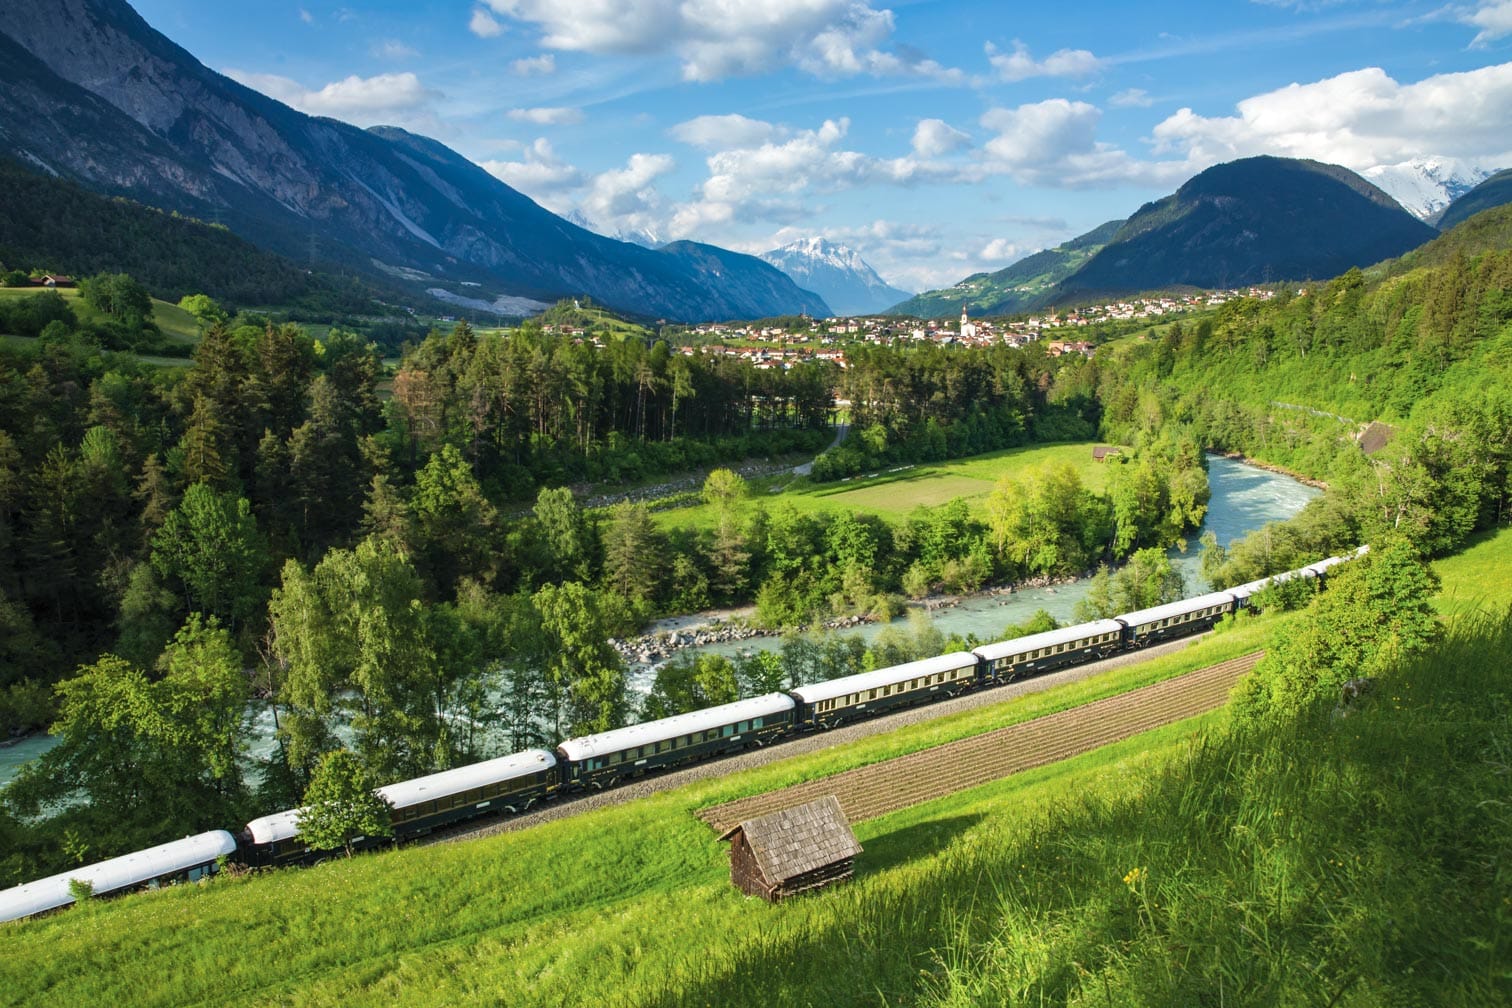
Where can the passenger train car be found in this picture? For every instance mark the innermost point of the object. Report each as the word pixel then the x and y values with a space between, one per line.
pixel 515 782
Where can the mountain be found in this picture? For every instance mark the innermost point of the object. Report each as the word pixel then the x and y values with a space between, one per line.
pixel 1015 288
pixel 90 92
pixel 1425 186
pixel 1256 220
pixel 744 285
pixel 837 274
pixel 1493 192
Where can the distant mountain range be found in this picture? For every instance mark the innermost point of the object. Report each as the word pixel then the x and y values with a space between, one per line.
pixel 1426 186
pixel 1256 220
pixel 836 273
pixel 1017 288
pixel 90 92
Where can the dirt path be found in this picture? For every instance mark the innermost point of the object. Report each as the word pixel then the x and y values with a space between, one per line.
pixel 871 791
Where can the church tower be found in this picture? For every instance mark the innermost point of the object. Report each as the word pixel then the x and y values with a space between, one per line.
pixel 968 327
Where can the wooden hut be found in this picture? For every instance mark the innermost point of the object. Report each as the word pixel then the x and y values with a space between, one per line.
pixel 782 853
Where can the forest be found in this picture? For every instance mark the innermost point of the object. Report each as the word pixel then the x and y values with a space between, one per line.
pixel 399 563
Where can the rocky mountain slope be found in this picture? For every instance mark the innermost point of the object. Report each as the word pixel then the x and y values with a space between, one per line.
pixel 90 92
pixel 838 274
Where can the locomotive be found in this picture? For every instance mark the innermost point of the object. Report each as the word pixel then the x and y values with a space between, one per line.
pixel 511 784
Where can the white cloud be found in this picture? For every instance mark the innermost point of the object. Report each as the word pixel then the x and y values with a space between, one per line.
pixel 363 101
pixel 483 24
pixel 393 49
pixel 723 132
pixel 1358 119
pixel 1054 143
pixel 1020 65
pixel 1494 19
pixel 625 200
pixel 722 38
pixel 536 66
pixel 306 16
pixel 1003 250
pixel 540 175
pixel 934 138
pixel 1131 98
pixel 547 116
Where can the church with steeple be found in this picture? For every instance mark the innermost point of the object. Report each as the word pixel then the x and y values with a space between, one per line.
pixel 968 327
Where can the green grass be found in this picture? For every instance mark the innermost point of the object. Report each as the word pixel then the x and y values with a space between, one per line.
pixel 178 325
pixel 1479 577
pixel 893 495
pixel 1351 859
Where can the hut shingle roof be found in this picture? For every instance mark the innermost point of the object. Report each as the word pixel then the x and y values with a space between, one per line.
pixel 800 839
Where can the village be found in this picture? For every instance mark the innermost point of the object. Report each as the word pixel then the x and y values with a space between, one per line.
pixel 770 346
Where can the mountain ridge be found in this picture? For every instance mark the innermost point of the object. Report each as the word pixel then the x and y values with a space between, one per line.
pixel 838 274
pixel 159 126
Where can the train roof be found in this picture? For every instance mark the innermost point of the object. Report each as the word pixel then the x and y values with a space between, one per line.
pixel 466 778
pixel 284 825
pixel 814 692
pixel 117 873
pixel 1325 564
pixel 620 739
pixel 1049 638
pixel 1155 614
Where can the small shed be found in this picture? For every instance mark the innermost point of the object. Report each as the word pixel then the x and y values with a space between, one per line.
pixel 782 853
pixel 1103 452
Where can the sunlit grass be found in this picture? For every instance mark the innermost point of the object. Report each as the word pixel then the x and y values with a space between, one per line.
pixel 1479 577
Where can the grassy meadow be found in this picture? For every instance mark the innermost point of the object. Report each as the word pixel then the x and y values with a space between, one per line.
pixel 1353 861
pixel 894 494
pixel 177 325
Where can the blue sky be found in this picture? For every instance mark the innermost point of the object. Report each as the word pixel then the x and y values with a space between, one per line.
pixel 937 137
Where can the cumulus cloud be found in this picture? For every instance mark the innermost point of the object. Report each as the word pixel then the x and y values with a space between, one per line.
pixel 540 174
pixel 714 39
pixel 535 66
pixel 1054 143
pixel 625 200
pixel 935 138
pixel 1020 65
pixel 547 116
pixel 483 25
pixel 1003 250
pixel 723 132
pixel 1494 19
pixel 1358 119
pixel 362 101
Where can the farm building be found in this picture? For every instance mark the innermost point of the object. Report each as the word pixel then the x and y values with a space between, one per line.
pixel 782 853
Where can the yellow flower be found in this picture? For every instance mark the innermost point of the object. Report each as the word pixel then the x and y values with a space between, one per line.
pixel 1135 876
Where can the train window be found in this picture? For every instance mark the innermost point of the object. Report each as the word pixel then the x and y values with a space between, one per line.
pixel 727 730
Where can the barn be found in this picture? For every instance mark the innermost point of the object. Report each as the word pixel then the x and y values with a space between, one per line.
pixel 786 852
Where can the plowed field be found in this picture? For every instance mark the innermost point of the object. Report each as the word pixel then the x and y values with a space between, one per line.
pixel 871 791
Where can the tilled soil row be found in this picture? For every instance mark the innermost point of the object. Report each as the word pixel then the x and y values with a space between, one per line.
pixel 871 791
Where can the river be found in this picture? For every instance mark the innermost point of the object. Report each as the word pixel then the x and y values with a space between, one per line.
pixel 1244 497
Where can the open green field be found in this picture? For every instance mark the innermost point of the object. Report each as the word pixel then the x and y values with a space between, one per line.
pixel 178 325
pixel 1479 577
pixel 894 494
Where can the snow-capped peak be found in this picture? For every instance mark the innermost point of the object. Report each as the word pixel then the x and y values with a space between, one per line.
pixel 1425 186
pixel 839 274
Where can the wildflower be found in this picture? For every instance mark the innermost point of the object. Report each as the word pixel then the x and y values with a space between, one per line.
pixel 1135 876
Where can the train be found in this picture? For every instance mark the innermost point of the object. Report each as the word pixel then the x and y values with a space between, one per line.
pixel 517 782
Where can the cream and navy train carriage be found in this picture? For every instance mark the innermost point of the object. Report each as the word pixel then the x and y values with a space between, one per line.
pixel 515 782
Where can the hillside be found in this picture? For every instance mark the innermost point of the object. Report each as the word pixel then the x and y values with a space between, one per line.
pixel 1257 220
pixel 1367 871
pixel 1015 288
pixel 90 92
pixel 52 224
pixel 1493 192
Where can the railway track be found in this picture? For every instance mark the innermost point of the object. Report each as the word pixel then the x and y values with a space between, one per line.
pixel 871 791
pixel 564 807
